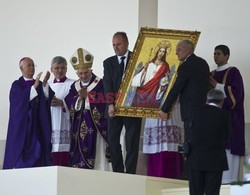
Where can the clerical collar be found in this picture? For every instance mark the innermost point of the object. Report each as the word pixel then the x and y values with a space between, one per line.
pixel 28 79
pixel 223 67
pixel 60 80
pixel 126 57
pixel 84 84
pixel 213 104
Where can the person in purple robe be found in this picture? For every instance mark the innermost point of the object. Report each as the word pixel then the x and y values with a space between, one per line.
pixel 29 130
pixel 89 146
pixel 229 80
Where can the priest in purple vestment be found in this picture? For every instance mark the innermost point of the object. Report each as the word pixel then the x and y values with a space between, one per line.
pixel 89 128
pixel 229 80
pixel 29 130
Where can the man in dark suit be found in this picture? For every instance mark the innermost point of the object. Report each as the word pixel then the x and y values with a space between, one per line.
pixel 208 134
pixel 114 67
pixel 191 85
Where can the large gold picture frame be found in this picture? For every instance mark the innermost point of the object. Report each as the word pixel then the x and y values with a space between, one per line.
pixel 151 72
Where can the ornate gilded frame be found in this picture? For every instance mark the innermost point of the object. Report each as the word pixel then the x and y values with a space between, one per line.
pixel 147 41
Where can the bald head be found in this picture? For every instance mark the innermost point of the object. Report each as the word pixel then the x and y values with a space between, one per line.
pixel 23 59
pixel 27 67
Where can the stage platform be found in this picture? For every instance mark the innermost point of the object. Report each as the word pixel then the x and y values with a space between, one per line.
pixel 73 181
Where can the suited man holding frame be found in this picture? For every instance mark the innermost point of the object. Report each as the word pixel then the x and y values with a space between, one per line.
pixel 191 86
pixel 114 68
pixel 208 134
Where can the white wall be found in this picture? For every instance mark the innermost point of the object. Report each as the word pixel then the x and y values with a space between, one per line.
pixel 148 13
pixel 220 22
pixel 44 29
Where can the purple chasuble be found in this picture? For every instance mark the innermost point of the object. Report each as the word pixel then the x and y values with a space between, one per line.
pixel 86 124
pixel 29 129
pixel 234 102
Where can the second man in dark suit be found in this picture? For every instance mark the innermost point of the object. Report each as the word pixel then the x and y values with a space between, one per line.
pixel 208 135
pixel 114 67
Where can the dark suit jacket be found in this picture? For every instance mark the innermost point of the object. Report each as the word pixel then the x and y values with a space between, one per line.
pixel 208 136
pixel 112 79
pixel 191 85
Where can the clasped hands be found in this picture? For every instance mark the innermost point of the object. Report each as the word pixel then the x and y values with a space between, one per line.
pixel 111 110
pixel 82 93
pixel 56 102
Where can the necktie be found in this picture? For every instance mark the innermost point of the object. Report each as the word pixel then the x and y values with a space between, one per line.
pixel 122 64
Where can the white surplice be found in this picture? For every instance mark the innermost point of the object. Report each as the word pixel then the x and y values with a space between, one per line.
pixel 60 118
pixel 160 136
